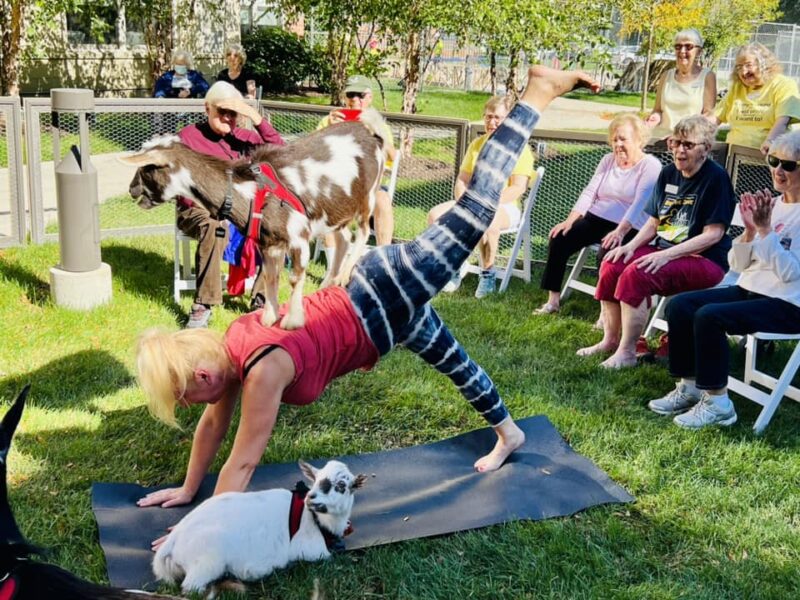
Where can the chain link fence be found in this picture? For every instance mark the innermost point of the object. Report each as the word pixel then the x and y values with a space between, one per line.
pixel 432 150
pixel 12 197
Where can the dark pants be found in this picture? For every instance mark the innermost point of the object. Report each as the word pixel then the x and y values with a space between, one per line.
pixel 587 230
pixel 699 323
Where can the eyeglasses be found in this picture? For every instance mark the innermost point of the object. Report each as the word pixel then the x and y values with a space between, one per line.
pixel 787 165
pixel 225 113
pixel 748 65
pixel 352 95
pixel 687 47
pixel 673 143
pixel 492 117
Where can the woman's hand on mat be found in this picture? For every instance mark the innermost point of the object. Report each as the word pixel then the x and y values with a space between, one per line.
pixel 166 498
pixel 651 263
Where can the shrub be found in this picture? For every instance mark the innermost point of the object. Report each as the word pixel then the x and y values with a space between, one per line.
pixel 280 59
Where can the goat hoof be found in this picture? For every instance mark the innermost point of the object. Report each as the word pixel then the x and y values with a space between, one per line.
pixel 290 323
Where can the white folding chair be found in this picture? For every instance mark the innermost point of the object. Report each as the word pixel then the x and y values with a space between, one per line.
pixel 572 282
pixel 522 240
pixel 184 277
pixel 778 388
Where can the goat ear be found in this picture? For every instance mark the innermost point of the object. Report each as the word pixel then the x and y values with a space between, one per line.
pixel 309 471
pixel 11 419
pixel 361 479
pixel 148 157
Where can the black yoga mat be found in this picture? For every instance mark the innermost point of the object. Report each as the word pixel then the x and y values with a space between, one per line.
pixel 410 493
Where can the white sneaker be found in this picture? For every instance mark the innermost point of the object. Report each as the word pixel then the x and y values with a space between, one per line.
pixel 676 402
pixel 455 283
pixel 711 410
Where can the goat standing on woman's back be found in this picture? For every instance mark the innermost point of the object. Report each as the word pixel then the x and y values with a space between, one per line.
pixel 334 173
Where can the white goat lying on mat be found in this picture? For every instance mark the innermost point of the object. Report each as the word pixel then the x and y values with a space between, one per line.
pixel 248 535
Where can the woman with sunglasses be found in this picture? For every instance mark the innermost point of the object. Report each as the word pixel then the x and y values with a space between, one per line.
pixel 766 297
pixel 688 89
pixel 761 103
pixel 682 246
pixel 218 136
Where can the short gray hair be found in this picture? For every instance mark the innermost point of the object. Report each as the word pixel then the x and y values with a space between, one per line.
pixel 788 143
pixel 690 34
pixel 183 55
pixel 697 126
pixel 221 90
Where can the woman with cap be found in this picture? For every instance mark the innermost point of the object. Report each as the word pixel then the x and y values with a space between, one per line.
pixel 358 97
pixel 218 136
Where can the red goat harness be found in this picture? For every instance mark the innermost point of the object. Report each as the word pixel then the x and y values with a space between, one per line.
pixel 268 183
pixel 296 514
pixel 8 588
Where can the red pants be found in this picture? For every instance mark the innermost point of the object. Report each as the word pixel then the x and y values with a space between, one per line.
pixel 626 282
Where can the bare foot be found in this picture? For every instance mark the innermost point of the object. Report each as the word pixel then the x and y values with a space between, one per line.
pixel 545 84
pixel 619 360
pixel 509 438
pixel 601 346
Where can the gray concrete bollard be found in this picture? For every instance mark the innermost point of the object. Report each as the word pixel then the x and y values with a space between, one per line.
pixel 81 280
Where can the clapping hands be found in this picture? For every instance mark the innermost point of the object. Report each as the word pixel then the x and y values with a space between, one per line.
pixel 756 211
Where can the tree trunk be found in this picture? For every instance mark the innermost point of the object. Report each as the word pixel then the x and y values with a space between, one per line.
pixel 492 72
pixel 338 50
pixel 511 79
pixel 411 83
pixel 12 39
pixel 646 74
pixel 159 40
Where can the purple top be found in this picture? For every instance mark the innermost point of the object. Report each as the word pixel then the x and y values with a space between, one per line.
pixel 238 143
pixel 615 193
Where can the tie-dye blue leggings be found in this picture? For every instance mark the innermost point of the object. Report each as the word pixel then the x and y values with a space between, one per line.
pixel 391 286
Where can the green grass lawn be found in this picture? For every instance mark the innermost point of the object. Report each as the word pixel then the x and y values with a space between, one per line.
pixel 717 512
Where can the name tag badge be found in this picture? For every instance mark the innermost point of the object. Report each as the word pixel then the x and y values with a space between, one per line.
pixel 671 188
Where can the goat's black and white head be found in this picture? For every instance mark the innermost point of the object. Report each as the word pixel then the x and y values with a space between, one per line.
pixel 156 171
pixel 332 490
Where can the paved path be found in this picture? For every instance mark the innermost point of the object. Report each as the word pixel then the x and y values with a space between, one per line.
pixel 566 113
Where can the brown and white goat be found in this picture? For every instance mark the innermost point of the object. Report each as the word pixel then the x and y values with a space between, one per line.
pixel 334 172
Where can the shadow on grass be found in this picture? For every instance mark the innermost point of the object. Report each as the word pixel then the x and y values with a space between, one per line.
pixel 36 289
pixel 137 270
pixel 70 381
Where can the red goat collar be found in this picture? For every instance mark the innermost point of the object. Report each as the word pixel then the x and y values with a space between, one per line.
pixel 299 493
pixel 8 587
pixel 268 183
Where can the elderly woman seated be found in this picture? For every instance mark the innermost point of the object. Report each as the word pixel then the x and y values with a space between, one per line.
pixel 682 247
pixel 610 209
pixel 765 299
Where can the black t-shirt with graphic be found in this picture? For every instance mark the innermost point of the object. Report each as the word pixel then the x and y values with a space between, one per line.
pixel 684 206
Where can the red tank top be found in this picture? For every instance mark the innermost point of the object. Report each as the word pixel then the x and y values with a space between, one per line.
pixel 332 343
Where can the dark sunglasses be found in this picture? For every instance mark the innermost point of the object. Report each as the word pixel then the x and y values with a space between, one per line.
pixel 673 144
pixel 352 95
pixel 687 47
pixel 226 113
pixel 787 165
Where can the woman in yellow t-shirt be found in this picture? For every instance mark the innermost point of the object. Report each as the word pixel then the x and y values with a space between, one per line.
pixel 761 103
pixel 508 213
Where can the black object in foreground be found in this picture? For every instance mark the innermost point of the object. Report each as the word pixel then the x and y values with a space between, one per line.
pixel 409 493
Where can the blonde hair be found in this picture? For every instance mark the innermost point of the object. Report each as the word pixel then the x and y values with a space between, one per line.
pixel 639 128
pixel 768 64
pixel 495 101
pixel 221 90
pixel 237 51
pixel 166 361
